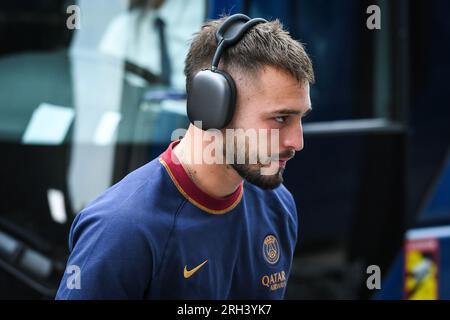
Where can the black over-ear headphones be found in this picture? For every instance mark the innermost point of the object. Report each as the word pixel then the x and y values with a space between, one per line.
pixel 212 96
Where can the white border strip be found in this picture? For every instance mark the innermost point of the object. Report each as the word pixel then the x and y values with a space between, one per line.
pixel 348 126
pixel 433 232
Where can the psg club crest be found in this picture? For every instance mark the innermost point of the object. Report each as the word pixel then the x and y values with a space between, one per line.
pixel 271 249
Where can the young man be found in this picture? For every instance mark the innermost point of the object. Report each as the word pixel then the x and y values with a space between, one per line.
pixel 177 228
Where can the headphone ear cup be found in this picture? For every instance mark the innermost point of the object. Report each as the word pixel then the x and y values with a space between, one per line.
pixel 212 99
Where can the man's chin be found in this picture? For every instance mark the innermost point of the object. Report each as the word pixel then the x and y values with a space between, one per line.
pixel 253 175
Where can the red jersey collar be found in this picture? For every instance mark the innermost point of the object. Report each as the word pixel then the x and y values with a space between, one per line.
pixel 191 191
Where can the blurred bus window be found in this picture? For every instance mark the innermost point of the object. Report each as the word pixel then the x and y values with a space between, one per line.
pixel 81 108
pixel 139 48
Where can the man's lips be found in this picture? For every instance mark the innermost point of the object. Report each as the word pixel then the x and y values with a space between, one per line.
pixel 282 163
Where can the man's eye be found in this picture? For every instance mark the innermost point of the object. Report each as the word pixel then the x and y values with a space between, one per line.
pixel 280 119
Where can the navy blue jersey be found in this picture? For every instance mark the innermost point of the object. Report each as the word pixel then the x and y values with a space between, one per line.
pixel 156 235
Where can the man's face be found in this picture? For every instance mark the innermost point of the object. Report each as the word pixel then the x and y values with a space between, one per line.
pixel 272 105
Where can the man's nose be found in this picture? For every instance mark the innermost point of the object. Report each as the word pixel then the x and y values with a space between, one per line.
pixel 293 138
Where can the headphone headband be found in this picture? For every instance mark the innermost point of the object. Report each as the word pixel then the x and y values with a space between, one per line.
pixel 230 32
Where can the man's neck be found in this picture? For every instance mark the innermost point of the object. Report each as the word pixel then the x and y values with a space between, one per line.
pixel 217 180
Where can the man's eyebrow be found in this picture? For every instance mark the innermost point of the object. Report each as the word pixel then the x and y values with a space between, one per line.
pixel 291 111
